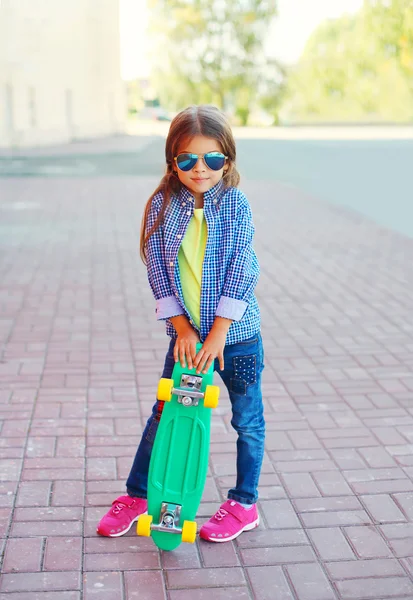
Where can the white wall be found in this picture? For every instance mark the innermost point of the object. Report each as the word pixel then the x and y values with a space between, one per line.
pixel 59 71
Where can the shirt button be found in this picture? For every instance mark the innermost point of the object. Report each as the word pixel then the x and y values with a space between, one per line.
pixel 215 201
pixel 176 294
pixel 179 236
pixel 171 264
pixel 188 213
pixel 183 203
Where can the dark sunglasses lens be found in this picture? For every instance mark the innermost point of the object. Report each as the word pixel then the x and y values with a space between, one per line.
pixel 215 160
pixel 185 162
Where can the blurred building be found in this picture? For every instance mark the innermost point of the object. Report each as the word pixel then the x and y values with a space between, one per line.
pixel 59 71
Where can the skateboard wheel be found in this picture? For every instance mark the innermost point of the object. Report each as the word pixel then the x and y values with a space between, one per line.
pixel 211 396
pixel 165 389
pixel 143 526
pixel 189 532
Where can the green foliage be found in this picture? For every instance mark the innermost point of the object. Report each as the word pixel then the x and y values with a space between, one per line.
pixel 357 67
pixel 211 51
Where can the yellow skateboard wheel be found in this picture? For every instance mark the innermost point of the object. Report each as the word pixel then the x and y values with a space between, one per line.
pixel 143 526
pixel 189 532
pixel 165 389
pixel 211 396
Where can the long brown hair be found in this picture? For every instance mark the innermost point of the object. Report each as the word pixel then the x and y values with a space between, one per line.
pixel 204 120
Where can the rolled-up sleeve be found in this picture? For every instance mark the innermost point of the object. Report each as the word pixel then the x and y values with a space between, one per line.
pixel 167 304
pixel 243 271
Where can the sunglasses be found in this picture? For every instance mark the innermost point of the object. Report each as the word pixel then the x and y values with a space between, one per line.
pixel 213 160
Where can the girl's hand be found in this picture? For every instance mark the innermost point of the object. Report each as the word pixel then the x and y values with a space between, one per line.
pixel 212 348
pixel 187 338
pixel 185 347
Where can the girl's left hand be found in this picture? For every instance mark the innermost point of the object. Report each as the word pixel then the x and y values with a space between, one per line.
pixel 212 348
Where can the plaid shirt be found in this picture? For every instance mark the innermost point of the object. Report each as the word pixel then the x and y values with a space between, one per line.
pixel 230 269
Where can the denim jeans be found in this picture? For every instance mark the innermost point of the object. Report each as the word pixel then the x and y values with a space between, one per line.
pixel 243 365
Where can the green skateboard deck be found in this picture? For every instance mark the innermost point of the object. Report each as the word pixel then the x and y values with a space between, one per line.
pixel 179 459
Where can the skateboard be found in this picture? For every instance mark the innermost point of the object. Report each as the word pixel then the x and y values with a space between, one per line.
pixel 179 459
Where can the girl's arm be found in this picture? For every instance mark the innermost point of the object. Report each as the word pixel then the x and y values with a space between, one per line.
pixel 167 305
pixel 243 270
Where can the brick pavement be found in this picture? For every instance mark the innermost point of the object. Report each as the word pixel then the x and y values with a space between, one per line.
pixel 80 357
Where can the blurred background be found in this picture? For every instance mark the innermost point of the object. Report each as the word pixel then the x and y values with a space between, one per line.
pixel 320 93
pixel 93 68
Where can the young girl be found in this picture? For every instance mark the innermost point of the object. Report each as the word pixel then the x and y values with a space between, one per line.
pixel 196 241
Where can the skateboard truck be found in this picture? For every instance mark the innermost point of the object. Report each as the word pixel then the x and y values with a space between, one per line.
pixel 189 392
pixel 169 518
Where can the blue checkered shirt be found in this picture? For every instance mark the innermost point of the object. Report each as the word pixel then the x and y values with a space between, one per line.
pixel 230 268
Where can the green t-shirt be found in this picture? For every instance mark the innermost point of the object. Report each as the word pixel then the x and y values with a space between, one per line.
pixel 190 260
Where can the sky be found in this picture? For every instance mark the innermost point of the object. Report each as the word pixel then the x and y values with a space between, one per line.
pixel 286 40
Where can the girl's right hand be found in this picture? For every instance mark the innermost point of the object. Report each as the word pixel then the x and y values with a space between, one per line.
pixel 185 345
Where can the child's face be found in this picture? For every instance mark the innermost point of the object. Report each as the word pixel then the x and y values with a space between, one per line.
pixel 200 178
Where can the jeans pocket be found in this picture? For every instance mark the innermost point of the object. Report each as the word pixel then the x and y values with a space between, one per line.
pixel 245 373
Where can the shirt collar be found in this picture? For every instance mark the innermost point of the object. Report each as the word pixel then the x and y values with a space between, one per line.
pixel 210 196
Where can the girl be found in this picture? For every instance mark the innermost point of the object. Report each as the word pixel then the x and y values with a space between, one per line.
pixel 196 241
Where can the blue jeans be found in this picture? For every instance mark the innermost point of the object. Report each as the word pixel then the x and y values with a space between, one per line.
pixel 243 365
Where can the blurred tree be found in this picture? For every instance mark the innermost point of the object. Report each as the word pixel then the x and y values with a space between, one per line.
pixel 212 51
pixel 357 67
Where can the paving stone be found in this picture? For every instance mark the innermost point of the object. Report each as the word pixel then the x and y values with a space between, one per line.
pixel 33 493
pixel 144 585
pixel 280 514
pixel 268 583
pixel 367 542
pixel 269 537
pixel 213 555
pixel 39 582
pixel 375 588
pixel 390 486
pixel 128 543
pixel 377 457
pixel 63 554
pixel 10 468
pixel 402 548
pixel 223 593
pixel 67 493
pixel 327 504
pixel 331 544
pixel 125 561
pixel 49 513
pixel 310 583
pixel 23 554
pixel 380 567
pixel 300 485
pixel 105 586
pixel 335 518
pixel 202 578
pixel 360 475
pixel 331 483
pixel 382 508
pixel 48 528
pixel 405 502
pixel 33 595
pixel 5 517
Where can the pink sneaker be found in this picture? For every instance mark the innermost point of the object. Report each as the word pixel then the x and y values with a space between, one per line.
pixel 120 518
pixel 229 521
